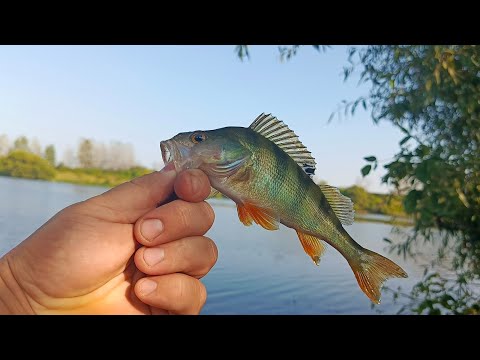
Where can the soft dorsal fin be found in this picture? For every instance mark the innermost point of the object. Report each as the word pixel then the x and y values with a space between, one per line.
pixel 341 205
pixel 279 133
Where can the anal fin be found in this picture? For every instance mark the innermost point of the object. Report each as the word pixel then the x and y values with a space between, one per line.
pixel 312 245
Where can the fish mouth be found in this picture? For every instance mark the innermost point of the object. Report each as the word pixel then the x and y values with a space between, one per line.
pixel 169 152
pixel 173 152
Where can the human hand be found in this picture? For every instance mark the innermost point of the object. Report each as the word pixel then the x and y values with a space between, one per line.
pixel 89 257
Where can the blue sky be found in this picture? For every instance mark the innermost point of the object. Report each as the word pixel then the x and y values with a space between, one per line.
pixel 144 94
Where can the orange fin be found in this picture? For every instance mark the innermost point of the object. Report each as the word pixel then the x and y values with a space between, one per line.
pixel 312 245
pixel 372 270
pixel 263 217
pixel 243 215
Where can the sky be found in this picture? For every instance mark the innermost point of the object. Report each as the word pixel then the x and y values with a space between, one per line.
pixel 144 94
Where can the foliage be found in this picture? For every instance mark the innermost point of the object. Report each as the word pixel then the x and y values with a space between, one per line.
pixel 21 143
pixel 50 154
pixel 286 52
pixel 85 153
pixel 363 201
pixel 19 163
pixel 436 295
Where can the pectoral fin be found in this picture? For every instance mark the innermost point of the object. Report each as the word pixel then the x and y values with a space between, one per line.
pixel 244 216
pixel 313 246
pixel 213 193
pixel 263 217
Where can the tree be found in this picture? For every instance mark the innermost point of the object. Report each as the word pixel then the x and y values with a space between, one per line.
pixel 20 163
pixel 101 157
pixel 69 158
pixel 120 156
pixel 21 143
pixel 4 145
pixel 35 147
pixel 85 153
pixel 50 154
pixel 431 93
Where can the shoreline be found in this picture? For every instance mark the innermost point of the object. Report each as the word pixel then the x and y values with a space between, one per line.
pixel 221 201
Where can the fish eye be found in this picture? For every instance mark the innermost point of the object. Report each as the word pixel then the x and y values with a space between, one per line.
pixel 198 137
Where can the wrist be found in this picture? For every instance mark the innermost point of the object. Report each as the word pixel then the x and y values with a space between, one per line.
pixel 12 297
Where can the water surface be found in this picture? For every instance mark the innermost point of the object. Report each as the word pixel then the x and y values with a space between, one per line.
pixel 258 271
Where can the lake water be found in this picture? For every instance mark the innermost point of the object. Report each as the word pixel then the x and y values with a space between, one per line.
pixel 258 271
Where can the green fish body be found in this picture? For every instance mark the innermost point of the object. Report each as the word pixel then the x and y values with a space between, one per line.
pixel 267 171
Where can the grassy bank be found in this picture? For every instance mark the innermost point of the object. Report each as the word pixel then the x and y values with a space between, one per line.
pixel 99 177
pixel 24 164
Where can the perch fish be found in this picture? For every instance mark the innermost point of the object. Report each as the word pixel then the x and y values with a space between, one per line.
pixel 267 172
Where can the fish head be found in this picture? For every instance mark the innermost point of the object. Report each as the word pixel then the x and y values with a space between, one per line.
pixel 217 152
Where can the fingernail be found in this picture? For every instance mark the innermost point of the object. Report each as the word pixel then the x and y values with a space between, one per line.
pixel 151 228
pixel 147 286
pixel 153 256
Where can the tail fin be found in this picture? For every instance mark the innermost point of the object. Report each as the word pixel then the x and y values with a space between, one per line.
pixel 371 270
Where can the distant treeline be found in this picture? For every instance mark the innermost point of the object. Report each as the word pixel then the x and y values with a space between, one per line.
pixel 365 202
pixel 93 163
pixel 88 154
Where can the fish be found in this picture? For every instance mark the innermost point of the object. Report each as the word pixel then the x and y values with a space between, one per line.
pixel 267 171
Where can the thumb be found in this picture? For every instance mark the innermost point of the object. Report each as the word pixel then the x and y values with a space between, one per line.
pixel 127 202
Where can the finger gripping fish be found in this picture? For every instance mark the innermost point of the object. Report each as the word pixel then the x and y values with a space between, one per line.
pixel 267 171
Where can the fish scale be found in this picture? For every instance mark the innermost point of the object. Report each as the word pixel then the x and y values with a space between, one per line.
pixel 281 184
pixel 267 171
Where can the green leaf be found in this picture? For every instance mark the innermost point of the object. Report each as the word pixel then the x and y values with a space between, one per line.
pixel 410 201
pixel 387 240
pixel 421 172
pixel 370 158
pixel 405 139
pixel 366 170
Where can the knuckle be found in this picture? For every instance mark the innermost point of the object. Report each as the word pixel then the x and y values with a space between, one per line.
pixel 210 214
pixel 183 213
pixel 213 252
pixel 179 289
pixel 201 294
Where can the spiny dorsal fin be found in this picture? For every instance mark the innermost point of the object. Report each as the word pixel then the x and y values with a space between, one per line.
pixel 279 133
pixel 341 205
